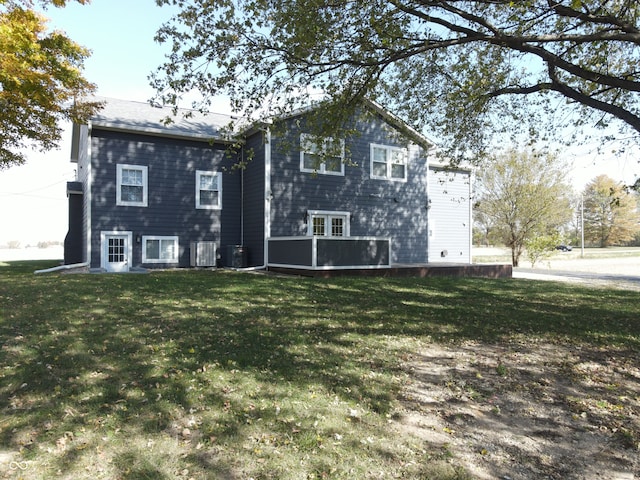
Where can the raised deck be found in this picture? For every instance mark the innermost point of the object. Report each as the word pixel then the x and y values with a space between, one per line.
pixel 421 271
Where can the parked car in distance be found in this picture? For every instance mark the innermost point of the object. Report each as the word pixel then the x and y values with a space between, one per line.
pixel 564 248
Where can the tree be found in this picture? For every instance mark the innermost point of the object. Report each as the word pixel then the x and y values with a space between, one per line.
pixel 542 247
pixel 525 196
pixel 40 81
pixel 461 67
pixel 610 212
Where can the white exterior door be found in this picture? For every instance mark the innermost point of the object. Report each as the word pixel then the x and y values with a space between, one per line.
pixel 116 251
pixel 449 216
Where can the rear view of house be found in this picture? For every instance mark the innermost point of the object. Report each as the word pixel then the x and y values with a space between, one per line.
pixel 155 195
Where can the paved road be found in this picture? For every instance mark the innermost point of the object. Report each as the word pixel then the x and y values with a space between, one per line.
pixel 600 279
pixel 621 272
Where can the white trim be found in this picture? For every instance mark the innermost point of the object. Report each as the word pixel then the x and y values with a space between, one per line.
pixel 159 238
pixel 329 214
pixel 145 185
pixel 307 237
pixel 329 267
pixel 307 145
pixel 351 238
pixel 388 149
pixel 471 193
pixel 103 247
pixel 292 237
pixel 426 142
pixel 267 195
pixel 429 212
pixel 218 175
pixel 87 207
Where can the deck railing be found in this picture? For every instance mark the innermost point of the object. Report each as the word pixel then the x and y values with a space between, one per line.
pixel 328 253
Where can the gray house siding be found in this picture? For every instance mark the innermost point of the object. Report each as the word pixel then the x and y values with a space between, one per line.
pixel 381 208
pixel 74 240
pixel 171 210
pixel 80 154
pixel 450 216
pixel 418 218
pixel 254 199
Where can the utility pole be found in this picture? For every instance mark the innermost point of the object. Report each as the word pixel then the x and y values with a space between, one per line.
pixel 582 226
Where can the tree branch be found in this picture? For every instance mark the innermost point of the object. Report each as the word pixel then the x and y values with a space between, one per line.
pixel 567 91
pixel 565 11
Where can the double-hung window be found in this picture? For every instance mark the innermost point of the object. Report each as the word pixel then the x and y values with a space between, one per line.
pixel 208 190
pixel 388 163
pixel 159 249
pixel 328 224
pixel 325 157
pixel 131 185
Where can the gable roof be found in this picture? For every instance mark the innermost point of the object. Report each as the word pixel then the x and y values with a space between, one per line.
pixel 400 124
pixel 393 120
pixel 142 117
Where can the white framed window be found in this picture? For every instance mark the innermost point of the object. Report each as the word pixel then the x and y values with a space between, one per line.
pixel 157 249
pixel 131 185
pixel 388 163
pixel 208 190
pixel 326 158
pixel 321 223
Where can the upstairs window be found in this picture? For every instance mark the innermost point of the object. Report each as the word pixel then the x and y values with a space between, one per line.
pixel 131 185
pixel 326 157
pixel 388 163
pixel 328 224
pixel 208 190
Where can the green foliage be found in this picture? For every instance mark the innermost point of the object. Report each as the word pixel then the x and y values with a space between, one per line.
pixel 541 247
pixel 465 70
pixel 611 215
pixel 40 82
pixel 522 196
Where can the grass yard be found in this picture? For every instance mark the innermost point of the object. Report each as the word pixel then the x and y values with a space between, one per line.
pixel 218 374
pixel 503 254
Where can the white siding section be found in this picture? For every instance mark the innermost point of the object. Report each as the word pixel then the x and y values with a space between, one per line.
pixel 449 216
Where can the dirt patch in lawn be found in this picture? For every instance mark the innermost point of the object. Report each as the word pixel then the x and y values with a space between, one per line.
pixel 527 411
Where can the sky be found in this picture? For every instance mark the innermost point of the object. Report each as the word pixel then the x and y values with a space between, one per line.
pixel 120 35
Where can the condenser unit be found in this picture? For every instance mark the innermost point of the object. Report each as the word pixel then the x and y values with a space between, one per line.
pixel 203 254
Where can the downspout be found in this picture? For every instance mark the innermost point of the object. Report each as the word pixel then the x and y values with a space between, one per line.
pixel 242 195
pixel 89 194
pixel 428 205
pixel 268 195
pixel 472 176
pixel 62 267
pixel 267 203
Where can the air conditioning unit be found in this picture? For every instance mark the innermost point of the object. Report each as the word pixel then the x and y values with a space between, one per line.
pixel 203 254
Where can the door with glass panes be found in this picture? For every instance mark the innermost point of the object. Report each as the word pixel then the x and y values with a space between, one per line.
pixel 329 224
pixel 116 252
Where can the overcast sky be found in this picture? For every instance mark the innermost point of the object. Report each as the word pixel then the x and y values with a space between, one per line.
pixel 120 34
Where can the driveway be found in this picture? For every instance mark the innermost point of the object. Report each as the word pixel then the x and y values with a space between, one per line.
pixel 619 272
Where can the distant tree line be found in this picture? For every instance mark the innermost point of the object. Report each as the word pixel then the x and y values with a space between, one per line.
pixel 524 203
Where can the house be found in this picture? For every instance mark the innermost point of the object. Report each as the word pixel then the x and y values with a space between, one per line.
pixel 150 194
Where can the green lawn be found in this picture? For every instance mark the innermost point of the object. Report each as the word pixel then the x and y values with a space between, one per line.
pixel 480 255
pixel 219 374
